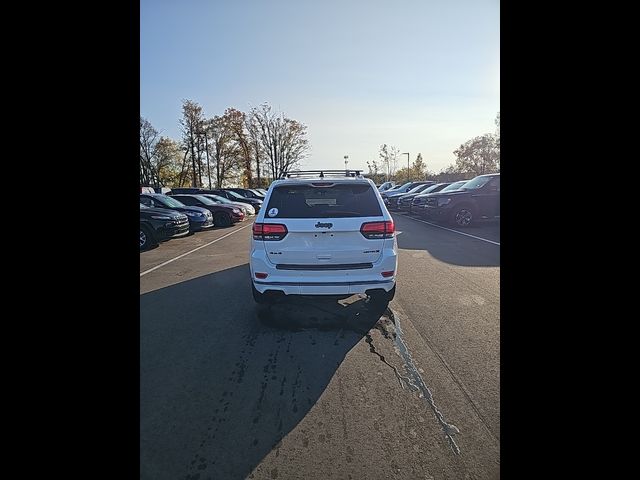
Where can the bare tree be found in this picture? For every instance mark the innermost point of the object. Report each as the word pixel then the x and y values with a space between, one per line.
pixel 282 139
pixel 393 157
pixel 253 131
pixel 191 124
pixel 389 158
pixel 237 121
pixel 383 153
pixel 226 151
pixel 148 142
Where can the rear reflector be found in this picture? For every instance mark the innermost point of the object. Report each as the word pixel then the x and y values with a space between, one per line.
pixel 388 274
pixel 269 231
pixel 261 275
pixel 376 230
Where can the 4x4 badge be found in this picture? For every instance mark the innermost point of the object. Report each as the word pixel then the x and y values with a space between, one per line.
pixel 326 225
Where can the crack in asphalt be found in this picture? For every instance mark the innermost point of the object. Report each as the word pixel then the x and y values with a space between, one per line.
pixel 372 349
pixel 461 385
pixel 415 381
pixel 449 429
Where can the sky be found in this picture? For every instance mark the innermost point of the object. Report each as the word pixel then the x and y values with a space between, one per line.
pixel 422 75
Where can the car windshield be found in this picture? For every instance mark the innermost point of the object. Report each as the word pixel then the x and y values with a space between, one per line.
pixel 169 201
pixel 430 188
pixel 211 197
pixel 338 201
pixel 205 200
pixel 416 189
pixel 218 198
pixel 454 186
pixel 477 182
pixel 237 195
pixel 400 187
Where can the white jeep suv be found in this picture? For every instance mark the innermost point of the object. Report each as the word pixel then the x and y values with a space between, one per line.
pixel 323 233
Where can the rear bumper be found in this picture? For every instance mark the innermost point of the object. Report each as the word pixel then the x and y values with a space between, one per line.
pixel 322 288
pixel 332 282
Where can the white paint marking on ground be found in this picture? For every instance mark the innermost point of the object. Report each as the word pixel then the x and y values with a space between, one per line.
pixel 451 230
pixel 191 251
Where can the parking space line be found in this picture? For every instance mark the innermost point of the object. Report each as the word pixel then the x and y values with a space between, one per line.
pixel 451 230
pixel 191 251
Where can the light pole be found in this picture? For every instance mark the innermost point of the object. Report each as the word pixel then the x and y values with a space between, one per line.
pixel 407 154
pixel 346 160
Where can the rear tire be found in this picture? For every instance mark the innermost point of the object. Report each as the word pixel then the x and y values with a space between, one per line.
pixel 222 220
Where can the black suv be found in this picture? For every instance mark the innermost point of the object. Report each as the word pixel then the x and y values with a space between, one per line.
pixel 478 199
pixel 158 224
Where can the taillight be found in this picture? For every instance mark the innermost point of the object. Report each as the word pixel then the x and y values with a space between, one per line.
pixel 269 231
pixel 376 230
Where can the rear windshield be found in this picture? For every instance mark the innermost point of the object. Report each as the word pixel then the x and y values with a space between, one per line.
pixel 338 201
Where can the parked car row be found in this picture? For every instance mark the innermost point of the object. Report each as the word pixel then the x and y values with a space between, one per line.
pixel 187 210
pixel 251 196
pixel 460 203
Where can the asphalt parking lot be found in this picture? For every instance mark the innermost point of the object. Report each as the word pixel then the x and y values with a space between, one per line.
pixel 321 389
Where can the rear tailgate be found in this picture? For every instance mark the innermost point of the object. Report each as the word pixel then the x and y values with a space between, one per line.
pixel 323 220
pixel 311 242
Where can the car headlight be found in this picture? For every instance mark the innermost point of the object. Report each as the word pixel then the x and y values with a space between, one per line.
pixel 443 201
pixel 194 214
pixel 236 210
pixel 161 217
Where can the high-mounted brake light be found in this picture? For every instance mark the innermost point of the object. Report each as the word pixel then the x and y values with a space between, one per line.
pixel 377 230
pixel 269 231
pixel 322 184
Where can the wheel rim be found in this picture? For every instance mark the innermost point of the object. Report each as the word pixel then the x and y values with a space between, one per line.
pixel 463 217
pixel 143 238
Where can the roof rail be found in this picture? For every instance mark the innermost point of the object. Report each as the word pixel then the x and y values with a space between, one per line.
pixel 321 173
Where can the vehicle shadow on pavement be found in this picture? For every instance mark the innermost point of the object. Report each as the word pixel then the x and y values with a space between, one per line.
pixel 219 386
pixel 448 246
